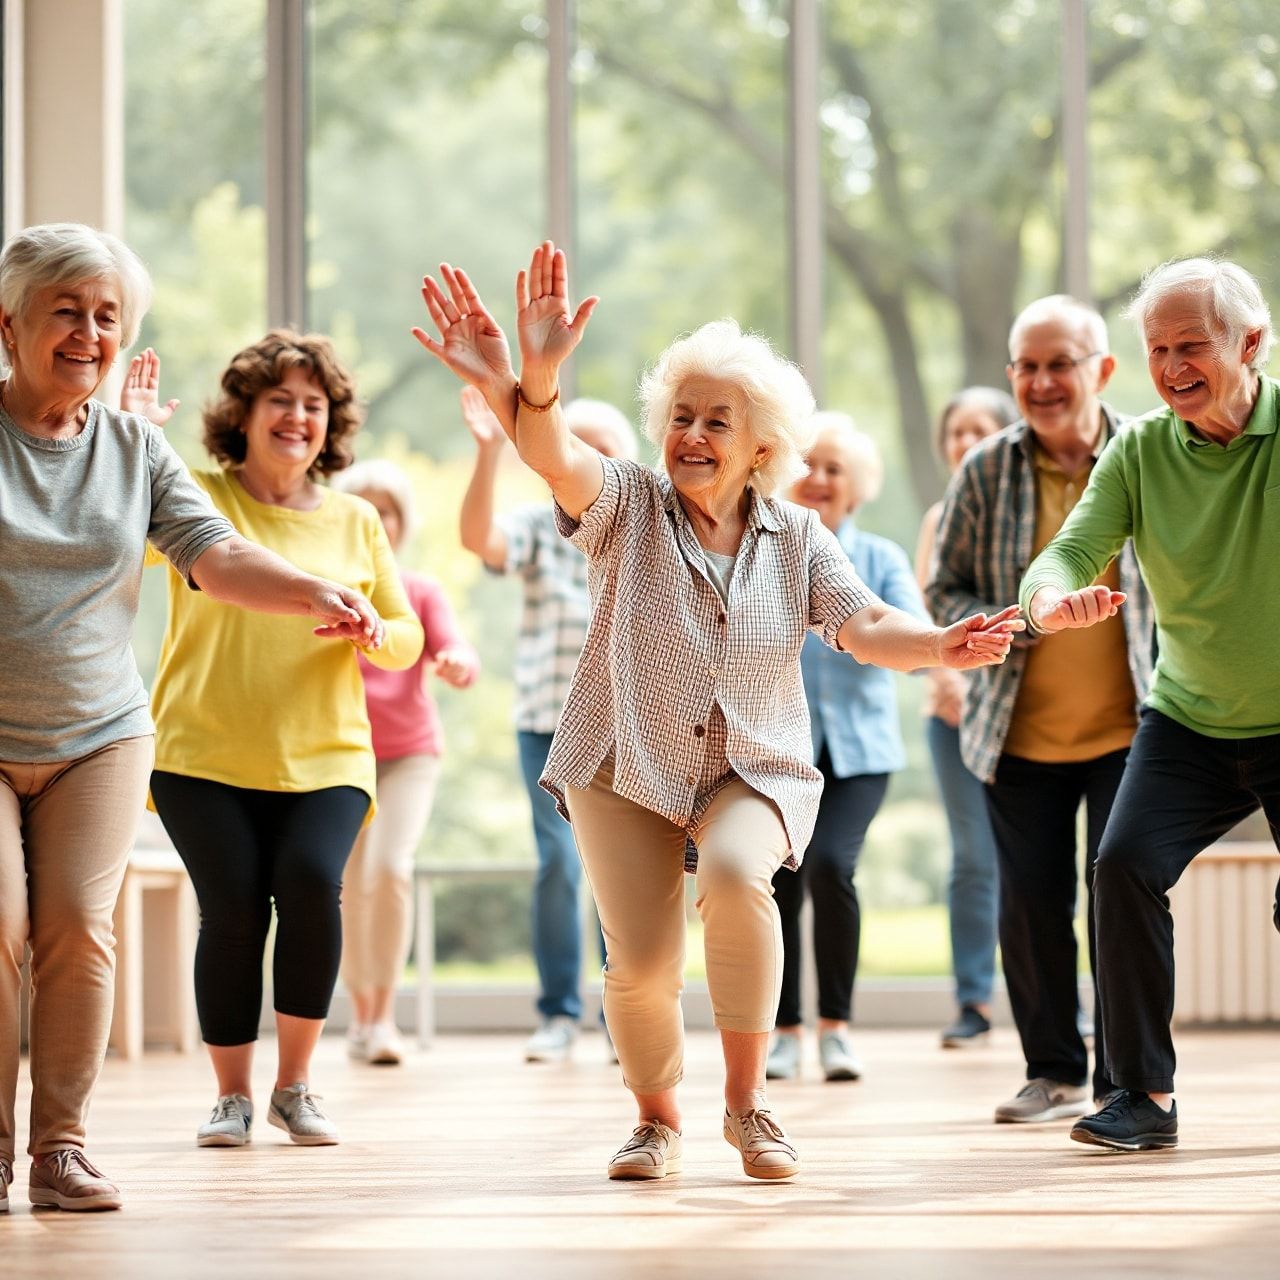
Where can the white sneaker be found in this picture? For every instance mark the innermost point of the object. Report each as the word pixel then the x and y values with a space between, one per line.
pixel 297 1111
pixel 230 1125
pixel 358 1041
pixel 553 1041
pixel 839 1062
pixel 783 1062
pixel 384 1047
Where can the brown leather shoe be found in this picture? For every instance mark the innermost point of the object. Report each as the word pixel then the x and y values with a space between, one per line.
pixel 66 1180
pixel 763 1144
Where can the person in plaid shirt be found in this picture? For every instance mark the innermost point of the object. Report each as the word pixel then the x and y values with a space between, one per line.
pixel 1050 729
pixel 554 614
pixel 686 720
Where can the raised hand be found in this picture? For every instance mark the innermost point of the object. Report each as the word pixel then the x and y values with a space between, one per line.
pixel 980 641
pixel 471 343
pixel 141 391
pixel 1053 612
pixel 547 329
pixel 481 421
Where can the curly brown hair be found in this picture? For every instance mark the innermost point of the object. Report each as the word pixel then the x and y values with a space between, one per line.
pixel 263 365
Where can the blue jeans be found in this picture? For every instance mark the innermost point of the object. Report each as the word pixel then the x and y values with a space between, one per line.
pixel 557 933
pixel 973 892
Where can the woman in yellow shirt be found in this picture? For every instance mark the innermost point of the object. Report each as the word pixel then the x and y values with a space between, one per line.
pixel 264 767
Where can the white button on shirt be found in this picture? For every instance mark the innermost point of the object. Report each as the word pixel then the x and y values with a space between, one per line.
pixel 663 655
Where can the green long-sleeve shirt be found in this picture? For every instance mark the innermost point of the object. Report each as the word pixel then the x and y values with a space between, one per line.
pixel 1205 523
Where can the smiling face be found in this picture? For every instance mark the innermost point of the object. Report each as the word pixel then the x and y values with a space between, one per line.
pixel 1057 375
pixel 833 487
pixel 288 423
pixel 709 449
pixel 965 426
pixel 1198 370
pixel 65 341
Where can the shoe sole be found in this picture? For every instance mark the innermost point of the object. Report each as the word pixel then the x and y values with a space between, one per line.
pixel 965 1042
pixel 547 1057
pixel 222 1140
pixel 1063 1112
pixel 765 1173
pixel 301 1139
pixel 641 1173
pixel 781 1075
pixel 43 1199
pixel 841 1073
pixel 1149 1142
pixel 387 1058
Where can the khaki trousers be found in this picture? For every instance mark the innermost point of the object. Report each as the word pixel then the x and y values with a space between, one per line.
pixel 634 860
pixel 66 830
pixel 377 886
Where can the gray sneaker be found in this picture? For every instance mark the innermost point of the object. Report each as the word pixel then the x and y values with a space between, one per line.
pixel 553 1040
pixel 1040 1100
pixel 839 1062
pixel 297 1111
pixel 783 1062
pixel 6 1177
pixel 230 1124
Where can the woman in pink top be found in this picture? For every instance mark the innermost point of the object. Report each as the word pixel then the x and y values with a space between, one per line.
pixel 377 895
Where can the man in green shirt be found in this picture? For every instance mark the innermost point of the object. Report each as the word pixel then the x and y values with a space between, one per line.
pixel 1197 487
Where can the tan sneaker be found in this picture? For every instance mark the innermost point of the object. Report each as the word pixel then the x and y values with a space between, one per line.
pixel 1041 1100
pixel 652 1151
pixel 66 1180
pixel 763 1144
pixel 6 1177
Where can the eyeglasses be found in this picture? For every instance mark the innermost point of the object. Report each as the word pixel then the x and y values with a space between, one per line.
pixel 1058 367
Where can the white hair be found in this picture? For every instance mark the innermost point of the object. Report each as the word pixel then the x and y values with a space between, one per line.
pixel 380 476
pixel 866 464
pixel 1238 304
pixel 585 414
pixel 1059 306
pixel 779 402
pixel 67 253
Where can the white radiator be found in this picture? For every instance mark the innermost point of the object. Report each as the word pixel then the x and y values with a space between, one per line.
pixel 1226 948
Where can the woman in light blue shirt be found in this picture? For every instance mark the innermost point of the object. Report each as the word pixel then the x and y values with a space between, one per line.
pixel 857 743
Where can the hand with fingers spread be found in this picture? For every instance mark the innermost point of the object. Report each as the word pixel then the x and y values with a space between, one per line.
pixel 471 343
pixel 141 391
pixel 1051 611
pixel 548 329
pixel 980 641
pixel 481 421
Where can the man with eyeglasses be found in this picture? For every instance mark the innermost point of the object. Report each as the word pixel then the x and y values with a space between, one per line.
pixel 1050 729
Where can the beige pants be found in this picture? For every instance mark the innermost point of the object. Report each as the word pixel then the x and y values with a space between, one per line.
pixel 634 860
pixel 377 887
pixel 66 830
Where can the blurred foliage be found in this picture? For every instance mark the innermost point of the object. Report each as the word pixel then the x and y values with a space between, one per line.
pixel 942 192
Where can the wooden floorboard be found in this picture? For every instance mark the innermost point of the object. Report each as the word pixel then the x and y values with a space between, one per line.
pixel 466 1162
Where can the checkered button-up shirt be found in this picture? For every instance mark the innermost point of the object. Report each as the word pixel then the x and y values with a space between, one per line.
pixel 985 540
pixel 665 658
pixel 553 617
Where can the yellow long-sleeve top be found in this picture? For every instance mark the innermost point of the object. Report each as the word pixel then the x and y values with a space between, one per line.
pixel 256 700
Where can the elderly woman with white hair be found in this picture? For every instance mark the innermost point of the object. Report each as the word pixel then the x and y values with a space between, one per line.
pixel 857 744
pixel 1196 485
pixel 684 743
pixel 408 741
pixel 84 489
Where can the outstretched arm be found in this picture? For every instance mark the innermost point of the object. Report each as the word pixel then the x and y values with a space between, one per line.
pixel 480 534
pixel 887 637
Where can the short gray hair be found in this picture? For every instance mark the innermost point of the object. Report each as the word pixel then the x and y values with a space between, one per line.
pixel 378 475
pixel 779 402
pixel 1063 305
pixel 1238 304
pixel 866 464
pixel 600 413
pixel 65 253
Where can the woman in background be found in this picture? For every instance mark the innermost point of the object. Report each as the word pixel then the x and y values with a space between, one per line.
pixel 377 895
pixel 968 417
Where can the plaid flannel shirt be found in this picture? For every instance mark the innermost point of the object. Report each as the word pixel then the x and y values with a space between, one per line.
pixel 985 540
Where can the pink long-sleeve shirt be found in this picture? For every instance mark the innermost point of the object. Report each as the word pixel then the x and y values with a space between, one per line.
pixel 402 713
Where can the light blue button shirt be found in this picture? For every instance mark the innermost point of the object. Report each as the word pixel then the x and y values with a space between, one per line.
pixel 853 708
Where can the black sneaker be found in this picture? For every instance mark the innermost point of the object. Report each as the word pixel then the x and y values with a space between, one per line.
pixel 969 1028
pixel 1129 1122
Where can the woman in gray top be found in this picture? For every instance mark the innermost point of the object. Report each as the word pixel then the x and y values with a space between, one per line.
pixel 83 488
pixel 686 718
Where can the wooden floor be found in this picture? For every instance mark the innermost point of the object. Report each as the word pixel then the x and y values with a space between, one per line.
pixel 466 1162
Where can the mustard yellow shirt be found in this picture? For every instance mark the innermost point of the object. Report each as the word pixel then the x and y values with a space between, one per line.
pixel 1076 701
pixel 256 700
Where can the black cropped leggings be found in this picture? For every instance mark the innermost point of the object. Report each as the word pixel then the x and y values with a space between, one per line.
pixel 243 850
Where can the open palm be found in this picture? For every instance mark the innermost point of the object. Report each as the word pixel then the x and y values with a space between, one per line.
pixel 471 342
pixel 141 390
pixel 548 330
